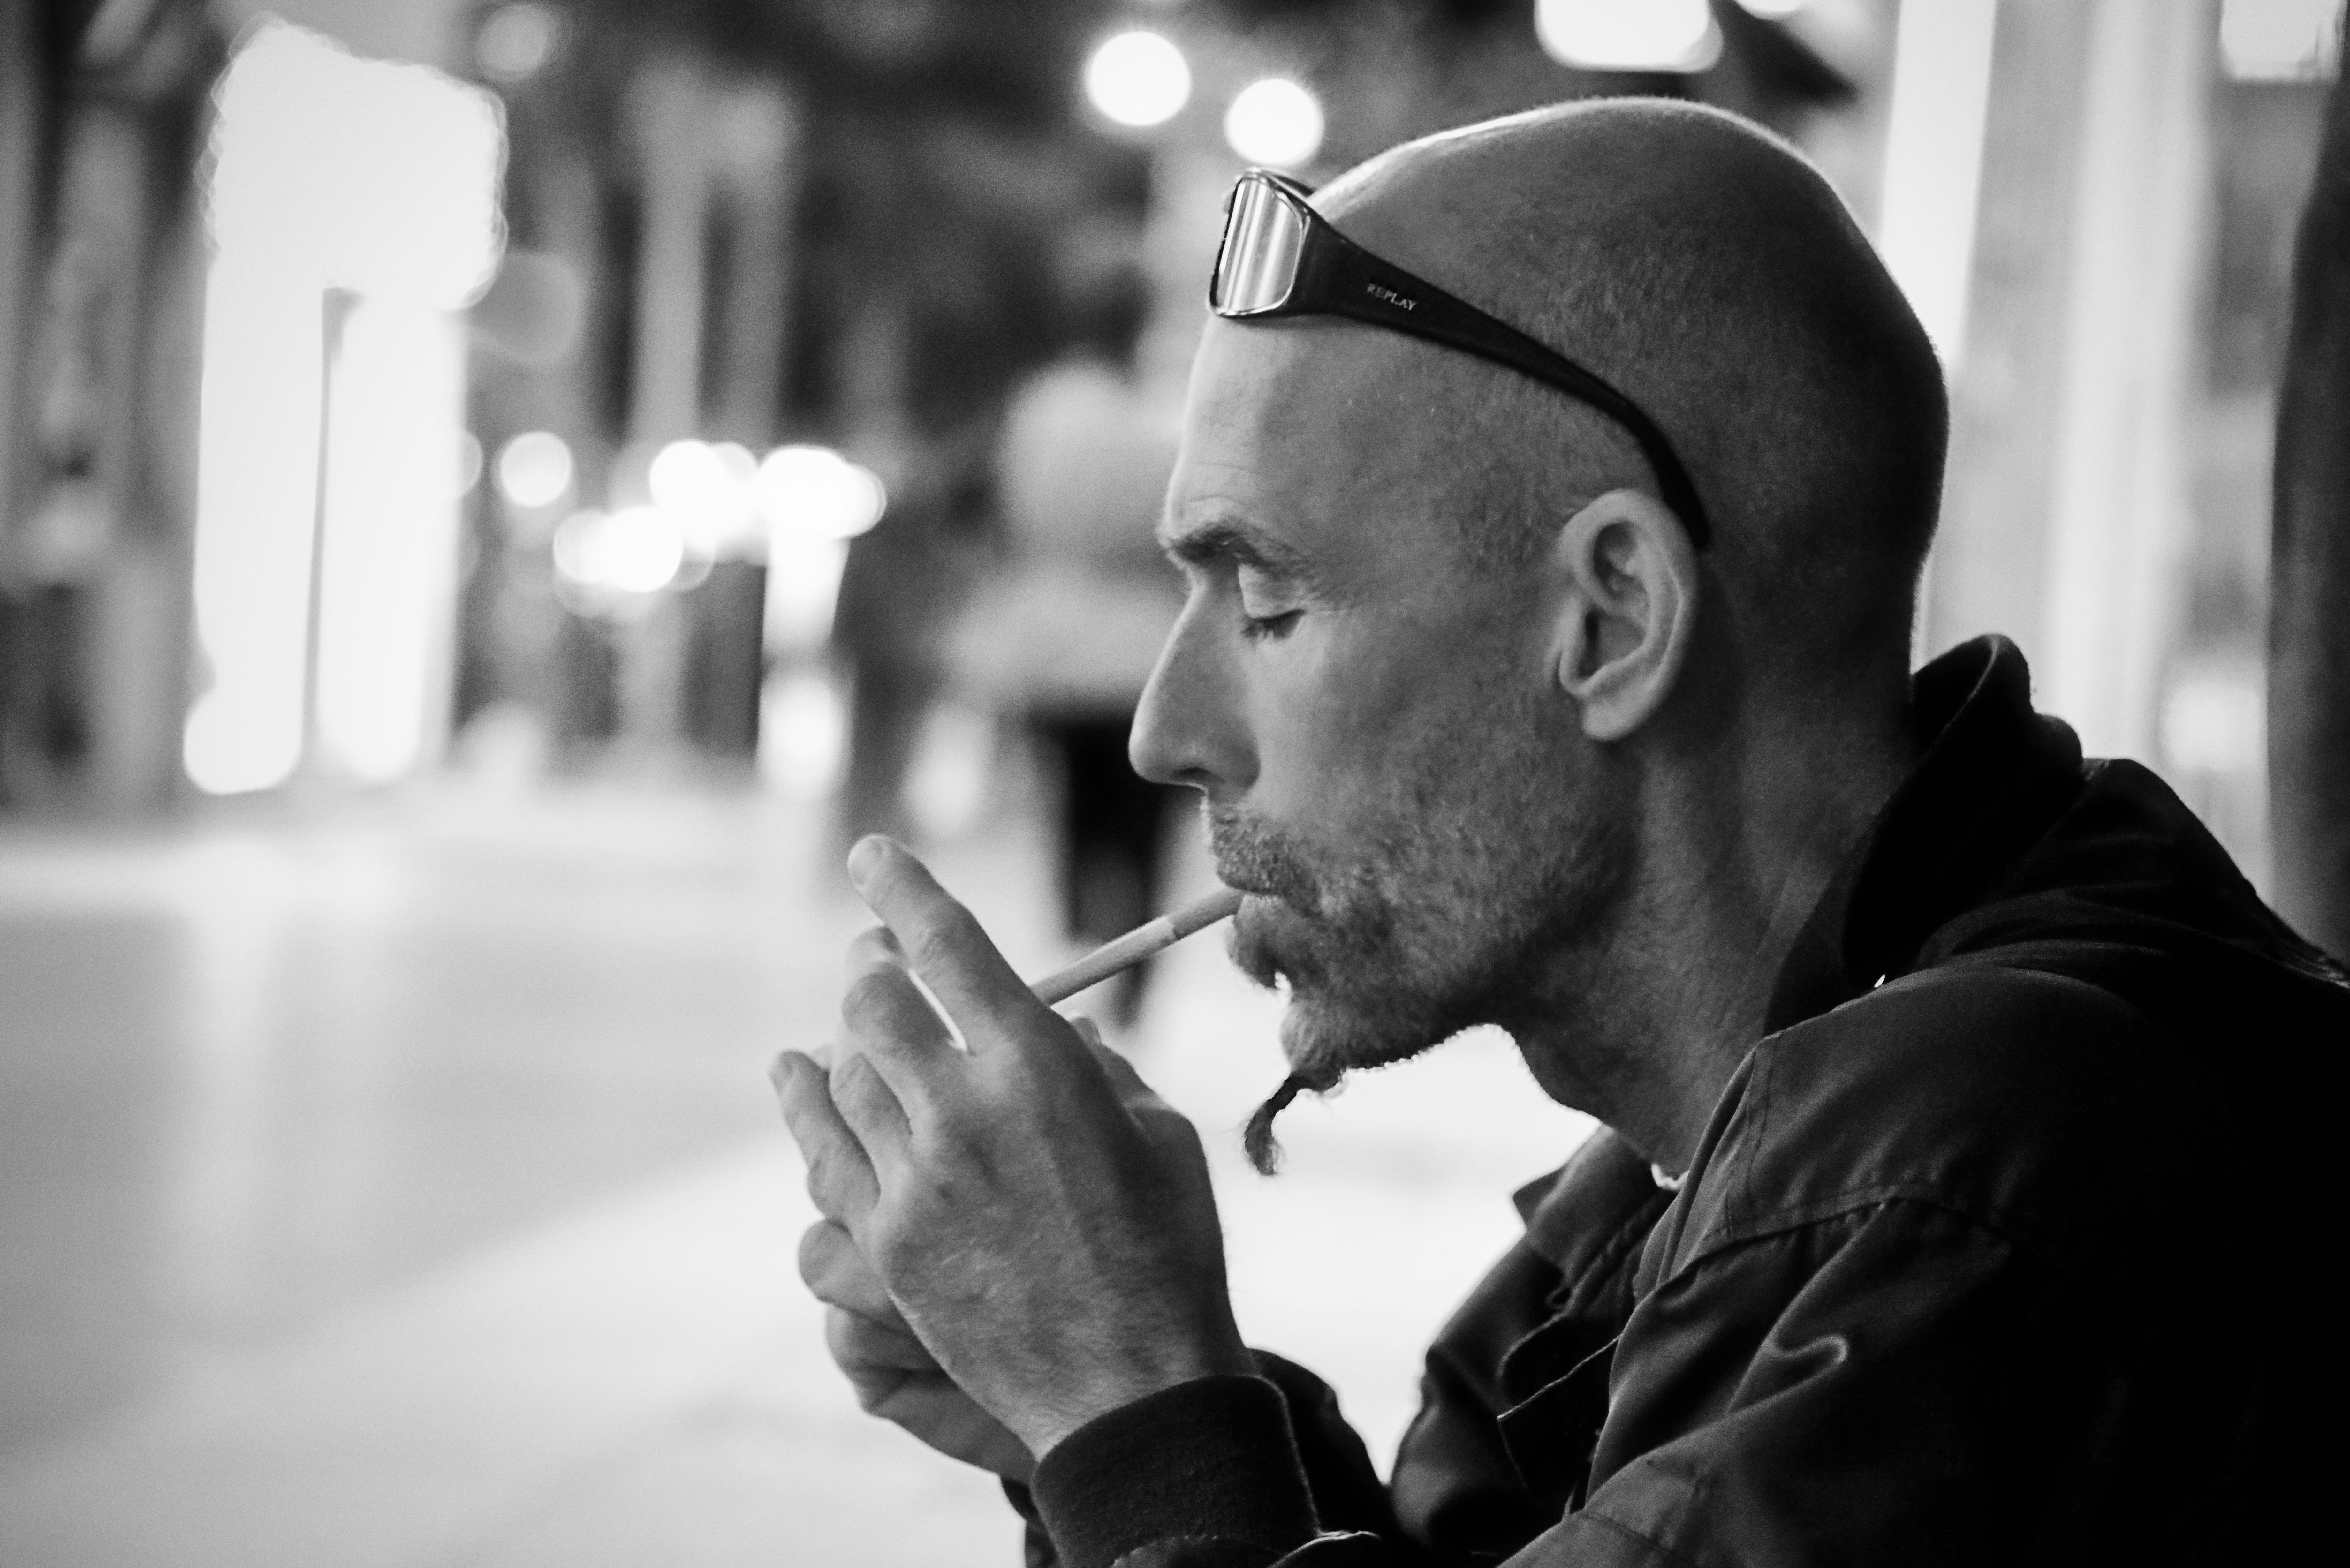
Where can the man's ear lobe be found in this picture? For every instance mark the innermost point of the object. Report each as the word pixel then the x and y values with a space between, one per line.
pixel 1629 610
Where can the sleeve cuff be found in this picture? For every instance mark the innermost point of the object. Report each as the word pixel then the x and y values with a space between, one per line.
pixel 1211 1459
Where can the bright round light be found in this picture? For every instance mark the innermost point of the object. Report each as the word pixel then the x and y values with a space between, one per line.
pixel 1139 78
pixel 638 551
pixel 709 489
pixel 1275 122
pixel 515 41
pixel 535 469
pixel 1774 10
pixel 741 468
pixel 813 490
pixel 575 545
pixel 1628 35
pixel 687 477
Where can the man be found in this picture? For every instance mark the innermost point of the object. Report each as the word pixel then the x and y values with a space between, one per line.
pixel 1962 1099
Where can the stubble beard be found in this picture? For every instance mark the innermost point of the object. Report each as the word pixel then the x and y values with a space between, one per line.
pixel 1435 924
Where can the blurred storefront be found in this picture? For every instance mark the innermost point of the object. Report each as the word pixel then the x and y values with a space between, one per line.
pixel 597 386
pixel 508 482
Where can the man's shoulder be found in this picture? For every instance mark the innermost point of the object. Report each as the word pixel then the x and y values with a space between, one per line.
pixel 2031 1101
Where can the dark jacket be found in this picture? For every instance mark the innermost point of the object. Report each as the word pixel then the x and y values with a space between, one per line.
pixel 2003 1245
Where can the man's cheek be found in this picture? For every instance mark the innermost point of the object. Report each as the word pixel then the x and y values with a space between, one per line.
pixel 1327 727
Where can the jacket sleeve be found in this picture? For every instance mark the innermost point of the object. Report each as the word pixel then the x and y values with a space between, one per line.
pixel 1191 1434
pixel 1456 1494
pixel 1460 1497
pixel 1895 1383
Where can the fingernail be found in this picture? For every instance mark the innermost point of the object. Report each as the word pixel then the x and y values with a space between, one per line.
pixel 865 857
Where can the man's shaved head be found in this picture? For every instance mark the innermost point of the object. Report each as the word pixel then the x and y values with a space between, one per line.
pixel 1715 278
pixel 1475 726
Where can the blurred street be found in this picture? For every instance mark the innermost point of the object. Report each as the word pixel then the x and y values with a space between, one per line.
pixel 497 494
pixel 400 1185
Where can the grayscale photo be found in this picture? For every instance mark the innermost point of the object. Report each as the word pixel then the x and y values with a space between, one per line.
pixel 1171 784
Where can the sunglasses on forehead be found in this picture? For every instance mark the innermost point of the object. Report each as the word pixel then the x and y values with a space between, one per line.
pixel 1281 258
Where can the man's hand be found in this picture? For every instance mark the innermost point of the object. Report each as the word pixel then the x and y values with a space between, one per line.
pixel 1041 1220
pixel 894 1376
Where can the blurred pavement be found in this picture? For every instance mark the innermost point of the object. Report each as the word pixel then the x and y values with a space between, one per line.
pixel 397 1186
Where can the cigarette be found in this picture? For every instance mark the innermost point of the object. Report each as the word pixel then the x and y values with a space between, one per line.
pixel 1122 953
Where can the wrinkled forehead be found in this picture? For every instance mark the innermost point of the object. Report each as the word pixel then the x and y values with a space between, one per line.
pixel 1329 449
pixel 1318 413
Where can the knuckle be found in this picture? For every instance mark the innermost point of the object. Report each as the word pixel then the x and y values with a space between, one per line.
pixel 875 944
pixel 796 1092
pixel 843 1338
pixel 820 1246
pixel 832 1185
pixel 824 1184
pixel 848 1336
pixel 872 999
pixel 951 1127
pixel 939 934
pixel 858 1087
pixel 895 1255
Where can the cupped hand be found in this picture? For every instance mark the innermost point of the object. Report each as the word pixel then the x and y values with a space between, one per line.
pixel 1042 1223
pixel 894 1376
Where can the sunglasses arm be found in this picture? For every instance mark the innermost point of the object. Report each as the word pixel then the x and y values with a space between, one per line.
pixel 1349 281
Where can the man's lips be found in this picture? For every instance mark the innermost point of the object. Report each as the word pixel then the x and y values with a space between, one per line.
pixel 1274 941
pixel 1268 881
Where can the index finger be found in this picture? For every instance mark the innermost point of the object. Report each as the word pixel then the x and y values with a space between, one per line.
pixel 840 1179
pixel 943 943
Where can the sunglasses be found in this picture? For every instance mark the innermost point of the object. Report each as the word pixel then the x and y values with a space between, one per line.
pixel 1281 258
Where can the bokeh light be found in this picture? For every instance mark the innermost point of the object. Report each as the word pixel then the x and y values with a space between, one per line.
pixel 1139 78
pixel 1628 35
pixel 687 476
pixel 353 207
pixel 815 490
pixel 710 490
pixel 371 175
pixel 637 550
pixel 515 42
pixel 1275 122
pixel 535 469
pixel 1774 10
pixel 2280 40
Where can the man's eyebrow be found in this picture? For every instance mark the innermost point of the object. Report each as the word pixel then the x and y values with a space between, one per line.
pixel 1210 543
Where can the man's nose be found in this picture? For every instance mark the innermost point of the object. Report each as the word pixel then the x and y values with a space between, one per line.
pixel 1191 727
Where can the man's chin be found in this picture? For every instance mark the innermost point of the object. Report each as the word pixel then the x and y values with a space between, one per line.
pixel 1324 1043
pixel 1344 1014
pixel 1326 1037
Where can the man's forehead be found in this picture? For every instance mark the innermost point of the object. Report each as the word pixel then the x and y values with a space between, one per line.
pixel 1292 428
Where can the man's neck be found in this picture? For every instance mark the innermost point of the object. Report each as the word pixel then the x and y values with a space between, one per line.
pixel 1644 1029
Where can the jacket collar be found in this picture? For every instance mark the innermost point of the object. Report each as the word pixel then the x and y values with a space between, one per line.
pixel 1994 778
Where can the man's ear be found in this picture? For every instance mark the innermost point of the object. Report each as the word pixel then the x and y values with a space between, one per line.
pixel 1627 609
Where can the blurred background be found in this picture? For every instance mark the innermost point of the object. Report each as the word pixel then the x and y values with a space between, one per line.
pixel 495 497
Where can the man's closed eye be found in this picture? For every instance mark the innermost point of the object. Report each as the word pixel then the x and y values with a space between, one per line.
pixel 1267 610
